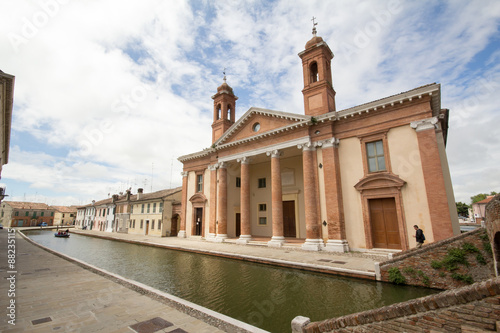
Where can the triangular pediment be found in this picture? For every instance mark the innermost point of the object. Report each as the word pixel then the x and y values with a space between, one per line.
pixel 257 121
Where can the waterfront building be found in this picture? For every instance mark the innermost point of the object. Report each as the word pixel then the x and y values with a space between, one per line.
pixel 122 215
pixel 89 216
pixel 479 209
pixel 102 210
pixel 64 215
pixel 80 217
pixel 155 213
pixel 340 180
pixel 26 214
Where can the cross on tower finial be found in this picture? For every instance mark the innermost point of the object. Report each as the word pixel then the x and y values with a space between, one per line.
pixel 314 26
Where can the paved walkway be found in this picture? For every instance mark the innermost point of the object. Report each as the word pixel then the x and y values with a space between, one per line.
pixel 55 295
pixel 291 255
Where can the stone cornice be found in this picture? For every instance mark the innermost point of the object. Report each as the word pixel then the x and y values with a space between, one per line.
pixel 265 149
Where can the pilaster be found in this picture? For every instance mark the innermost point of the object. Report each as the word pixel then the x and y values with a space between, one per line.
pixel 213 203
pixel 182 231
pixel 246 233
pixel 222 204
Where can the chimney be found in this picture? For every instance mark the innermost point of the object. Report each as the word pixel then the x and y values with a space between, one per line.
pixel 128 195
pixel 139 193
pixel 114 198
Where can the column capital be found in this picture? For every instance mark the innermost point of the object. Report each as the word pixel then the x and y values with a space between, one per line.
pixel 184 173
pixel 307 146
pixel 274 153
pixel 222 165
pixel 424 124
pixel 213 167
pixel 332 142
pixel 244 160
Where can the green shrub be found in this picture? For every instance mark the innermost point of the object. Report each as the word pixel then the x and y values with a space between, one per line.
pixel 436 264
pixel 454 257
pixel 425 278
pixel 395 276
pixel 484 237
pixel 487 248
pixel 409 271
pixel 462 277
pixel 480 259
pixel 468 247
pixel 442 274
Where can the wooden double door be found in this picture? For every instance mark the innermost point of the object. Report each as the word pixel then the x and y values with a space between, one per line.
pixel 384 224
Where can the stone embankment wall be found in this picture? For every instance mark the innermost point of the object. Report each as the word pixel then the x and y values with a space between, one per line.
pixel 473 308
pixel 447 264
pixel 493 227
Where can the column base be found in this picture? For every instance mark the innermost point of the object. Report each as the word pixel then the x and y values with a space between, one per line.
pixel 181 234
pixel 313 245
pixel 244 239
pixel 220 238
pixel 337 245
pixel 276 241
pixel 210 237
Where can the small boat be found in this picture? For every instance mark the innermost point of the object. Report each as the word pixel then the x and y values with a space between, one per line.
pixel 62 234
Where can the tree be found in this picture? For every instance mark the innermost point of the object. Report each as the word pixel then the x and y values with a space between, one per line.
pixel 481 196
pixel 462 209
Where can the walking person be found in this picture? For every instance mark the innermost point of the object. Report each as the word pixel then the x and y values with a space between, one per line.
pixel 419 236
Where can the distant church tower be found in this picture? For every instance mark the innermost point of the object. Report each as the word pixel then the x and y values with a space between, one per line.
pixel 319 96
pixel 224 110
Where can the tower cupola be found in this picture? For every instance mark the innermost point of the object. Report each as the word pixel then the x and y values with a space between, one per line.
pixel 319 95
pixel 224 110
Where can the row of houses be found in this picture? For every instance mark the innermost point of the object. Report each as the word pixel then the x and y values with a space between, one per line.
pixel 155 214
pixel 31 214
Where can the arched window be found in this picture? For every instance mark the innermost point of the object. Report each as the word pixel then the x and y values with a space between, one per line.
pixel 313 69
pixel 228 111
pixel 218 111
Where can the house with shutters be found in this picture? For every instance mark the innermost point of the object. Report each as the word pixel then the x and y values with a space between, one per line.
pixel 335 180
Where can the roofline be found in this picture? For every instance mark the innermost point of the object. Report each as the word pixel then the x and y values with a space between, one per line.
pixel 433 90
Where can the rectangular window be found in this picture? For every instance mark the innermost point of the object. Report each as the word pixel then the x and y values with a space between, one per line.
pixel 17 214
pixel 131 209
pixel 375 155
pixel 262 182
pixel 42 214
pixel 199 183
pixel 142 210
pixel 34 214
pixel 238 182
pixel 51 213
pixel 149 206
pixel 262 220
pixel 152 224
pixel 262 207
pixel 142 223
pixel 130 224
pixel 161 207
pixel 27 214
pixel 154 207
pixel 134 224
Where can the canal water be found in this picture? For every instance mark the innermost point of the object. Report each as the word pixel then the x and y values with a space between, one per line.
pixel 264 296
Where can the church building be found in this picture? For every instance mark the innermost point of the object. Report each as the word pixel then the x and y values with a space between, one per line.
pixel 335 180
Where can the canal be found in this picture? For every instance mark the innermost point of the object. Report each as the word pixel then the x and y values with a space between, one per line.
pixel 261 295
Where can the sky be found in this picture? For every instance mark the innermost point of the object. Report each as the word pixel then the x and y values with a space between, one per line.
pixel 109 93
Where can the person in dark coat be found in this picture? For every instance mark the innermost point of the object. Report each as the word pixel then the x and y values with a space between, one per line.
pixel 419 236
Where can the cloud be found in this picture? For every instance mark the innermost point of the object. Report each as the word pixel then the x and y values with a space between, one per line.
pixel 111 90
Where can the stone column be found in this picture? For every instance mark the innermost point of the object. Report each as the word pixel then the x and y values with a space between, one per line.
pixel 433 178
pixel 313 225
pixel 276 200
pixel 182 231
pixel 212 203
pixel 222 205
pixel 337 241
pixel 246 232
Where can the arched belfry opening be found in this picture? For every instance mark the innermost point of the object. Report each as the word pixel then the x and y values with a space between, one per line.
pixel 219 111
pixel 313 70
pixel 229 111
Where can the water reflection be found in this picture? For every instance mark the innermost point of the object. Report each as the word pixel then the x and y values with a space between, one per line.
pixel 264 296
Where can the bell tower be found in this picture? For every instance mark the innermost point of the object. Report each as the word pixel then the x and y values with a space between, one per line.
pixel 319 95
pixel 224 110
